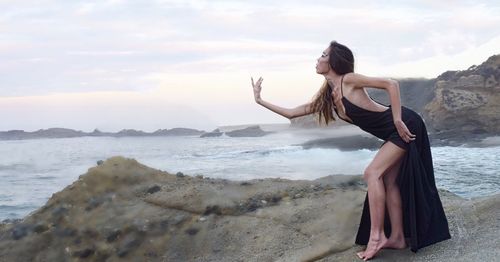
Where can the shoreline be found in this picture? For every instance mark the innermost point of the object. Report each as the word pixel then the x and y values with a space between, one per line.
pixel 348 131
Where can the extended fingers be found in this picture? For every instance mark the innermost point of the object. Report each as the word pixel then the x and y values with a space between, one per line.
pixel 406 135
pixel 409 136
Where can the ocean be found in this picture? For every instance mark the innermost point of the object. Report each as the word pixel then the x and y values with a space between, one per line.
pixel 32 170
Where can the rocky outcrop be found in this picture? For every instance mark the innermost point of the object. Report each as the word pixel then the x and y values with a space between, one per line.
pixel 122 210
pixel 215 133
pixel 130 132
pixel 178 131
pixel 251 131
pixel 42 133
pixel 66 133
pixel 467 102
pixel 346 143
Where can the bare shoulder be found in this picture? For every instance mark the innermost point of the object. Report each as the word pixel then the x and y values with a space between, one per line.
pixel 359 81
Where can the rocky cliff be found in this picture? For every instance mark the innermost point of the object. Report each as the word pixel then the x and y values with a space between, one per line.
pixel 121 210
pixel 467 101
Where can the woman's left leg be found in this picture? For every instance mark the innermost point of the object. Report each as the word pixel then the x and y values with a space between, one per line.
pixel 388 156
pixel 394 208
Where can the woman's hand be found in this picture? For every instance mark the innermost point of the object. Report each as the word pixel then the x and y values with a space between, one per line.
pixel 256 89
pixel 403 131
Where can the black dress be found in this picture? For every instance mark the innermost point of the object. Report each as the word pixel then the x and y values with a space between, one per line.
pixel 424 221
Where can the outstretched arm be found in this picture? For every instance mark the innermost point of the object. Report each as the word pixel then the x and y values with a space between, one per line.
pixel 289 113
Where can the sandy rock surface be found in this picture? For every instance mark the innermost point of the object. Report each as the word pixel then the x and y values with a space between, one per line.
pixel 122 210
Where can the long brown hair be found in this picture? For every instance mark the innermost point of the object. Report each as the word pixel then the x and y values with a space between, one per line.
pixel 341 60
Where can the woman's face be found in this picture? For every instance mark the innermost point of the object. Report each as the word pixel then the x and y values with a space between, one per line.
pixel 322 66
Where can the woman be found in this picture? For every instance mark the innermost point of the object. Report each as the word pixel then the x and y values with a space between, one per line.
pixel 400 176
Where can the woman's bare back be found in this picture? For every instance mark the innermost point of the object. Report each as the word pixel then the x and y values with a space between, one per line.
pixel 357 96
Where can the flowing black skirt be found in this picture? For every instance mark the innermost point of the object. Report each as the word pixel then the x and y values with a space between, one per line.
pixel 424 220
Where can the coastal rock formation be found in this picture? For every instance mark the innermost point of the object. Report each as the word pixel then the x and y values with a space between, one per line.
pixel 251 131
pixel 122 210
pixel 45 133
pixel 215 133
pixel 467 101
pixel 130 132
pixel 346 143
pixel 66 133
pixel 178 131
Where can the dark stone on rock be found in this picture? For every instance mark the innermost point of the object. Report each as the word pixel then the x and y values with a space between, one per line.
pixel 59 211
pixel 100 162
pixel 77 241
pixel 164 224
pixel 151 254
pixel 252 206
pixel 21 231
pixel 130 242
pixel 179 174
pixel 40 228
pixel 93 202
pixel 275 199
pixel 153 189
pixel 83 253
pixel 65 232
pixel 113 235
pixel 212 209
pixel 245 183
pixel 91 233
pixel 157 228
pixel 192 231
pixel 11 220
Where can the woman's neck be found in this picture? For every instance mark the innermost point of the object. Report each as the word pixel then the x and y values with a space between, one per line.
pixel 332 78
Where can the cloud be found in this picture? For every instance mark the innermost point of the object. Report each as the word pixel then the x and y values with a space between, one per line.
pixel 83 46
pixel 431 67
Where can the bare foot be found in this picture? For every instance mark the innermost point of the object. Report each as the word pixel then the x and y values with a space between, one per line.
pixel 360 254
pixel 395 243
pixel 374 245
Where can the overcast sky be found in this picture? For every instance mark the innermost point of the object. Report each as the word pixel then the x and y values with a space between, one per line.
pixel 163 64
